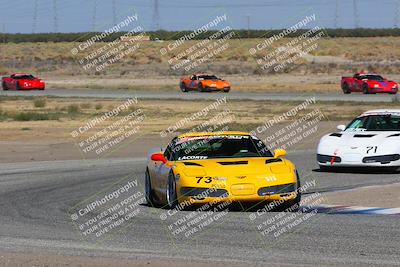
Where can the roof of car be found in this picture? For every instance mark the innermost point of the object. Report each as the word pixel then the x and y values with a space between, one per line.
pixel 380 111
pixel 212 134
pixel 367 73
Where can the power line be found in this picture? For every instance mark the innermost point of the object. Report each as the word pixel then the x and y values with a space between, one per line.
pixel 114 11
pixel 336 14
pixel 397 13
pixel 34 18
pixel 355 14
pixel 55 13
pixel 94 15
pixel 156 16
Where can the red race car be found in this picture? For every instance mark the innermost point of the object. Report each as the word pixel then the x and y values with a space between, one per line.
pixel 368 83
pixel 22 81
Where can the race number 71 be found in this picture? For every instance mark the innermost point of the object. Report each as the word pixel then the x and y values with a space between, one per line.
pixel 371 149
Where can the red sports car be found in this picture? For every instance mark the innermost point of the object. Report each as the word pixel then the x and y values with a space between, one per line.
pixel 22 81
pixel 368 83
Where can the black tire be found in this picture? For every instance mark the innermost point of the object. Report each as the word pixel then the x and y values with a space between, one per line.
pixel 346 89
pixel 171 196
pixel 226 90
pixel 4 86
pixel 148 190
pixel 365 89
pixel 17 87
pixel 292 205
pixel 200 88
pixel 183 87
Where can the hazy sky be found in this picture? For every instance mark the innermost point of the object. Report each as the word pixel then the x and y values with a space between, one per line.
pixel 84 15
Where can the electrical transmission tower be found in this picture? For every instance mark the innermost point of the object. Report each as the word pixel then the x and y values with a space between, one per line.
pixel 396 14
pixel 156 16
pixel 336 14
pixel 55 15
pixel 355 14
pixel 34 19
pixel 94 15
pixel 114 12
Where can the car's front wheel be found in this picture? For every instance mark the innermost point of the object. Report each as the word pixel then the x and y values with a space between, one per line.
pixel 183 87
pixel 171 195
pixel 365 89
pixel 4 85
pixel 346 88
pixel 148 190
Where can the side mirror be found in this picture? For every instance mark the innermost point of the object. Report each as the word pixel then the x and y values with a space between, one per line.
pixel 279 153
pixel 158 157
pixel 341 127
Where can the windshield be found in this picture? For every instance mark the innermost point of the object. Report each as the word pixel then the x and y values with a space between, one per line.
pixel 208 77
pixel 224 146
pixel 372 77
pixel 385 122
pixel 25 77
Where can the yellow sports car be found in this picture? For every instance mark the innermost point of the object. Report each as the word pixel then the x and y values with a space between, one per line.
pixel 215 167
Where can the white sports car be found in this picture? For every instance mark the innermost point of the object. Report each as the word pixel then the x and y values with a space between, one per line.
pixel 370 140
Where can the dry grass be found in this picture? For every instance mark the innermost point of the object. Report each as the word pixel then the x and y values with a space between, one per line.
pixel 373 53
pixel 160 114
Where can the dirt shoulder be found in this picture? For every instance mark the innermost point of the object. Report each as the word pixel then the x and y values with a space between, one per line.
pixel 384 196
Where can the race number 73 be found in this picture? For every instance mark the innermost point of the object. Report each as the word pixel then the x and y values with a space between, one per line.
pixel 371 149
pixel 206 179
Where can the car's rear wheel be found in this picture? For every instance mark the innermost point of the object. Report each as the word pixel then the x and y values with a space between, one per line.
pixel 148 190
pixel 17 87
pixel 171 195
pixel 200 88
pixel 183 87
pixel 4 85
pixel 365 89
pixel 346 88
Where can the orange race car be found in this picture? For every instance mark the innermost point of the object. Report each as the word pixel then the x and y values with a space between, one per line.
pixel 204 83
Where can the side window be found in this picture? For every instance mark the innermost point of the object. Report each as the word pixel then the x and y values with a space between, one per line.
pixel 169 150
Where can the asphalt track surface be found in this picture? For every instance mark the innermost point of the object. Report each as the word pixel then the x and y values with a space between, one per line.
pixel 35 199
pixel 122 94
